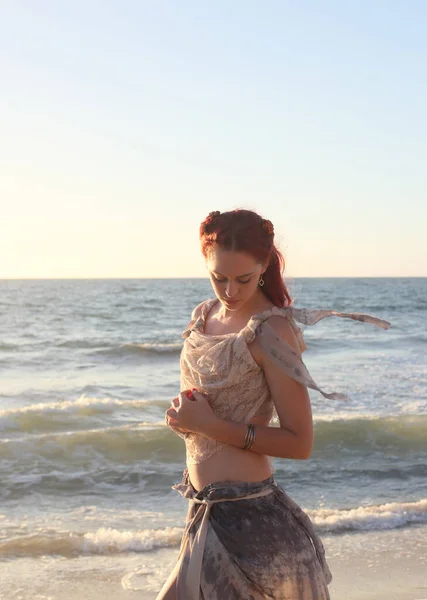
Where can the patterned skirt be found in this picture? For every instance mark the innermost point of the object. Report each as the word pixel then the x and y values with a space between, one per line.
pixel 251 541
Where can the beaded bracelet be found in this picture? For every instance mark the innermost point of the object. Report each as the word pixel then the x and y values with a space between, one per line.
pixel 249 437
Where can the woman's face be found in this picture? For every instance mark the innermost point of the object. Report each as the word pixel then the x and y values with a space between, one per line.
pixel 234 276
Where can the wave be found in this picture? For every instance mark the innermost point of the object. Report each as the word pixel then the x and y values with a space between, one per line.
pixel 69 414
pixel 83 344
pixel 106 476
pixel 143 348
pixel 123 443
pixel 413 306
pixel 6 347
pixel 342 343
pixel 100 347
pixel 419 337
pixel 146 348
pixel 95 479
pixel 392 515
pixel 103 541
pixel 143 456
pixel 366 434
pixel 55 432
pixel 108 540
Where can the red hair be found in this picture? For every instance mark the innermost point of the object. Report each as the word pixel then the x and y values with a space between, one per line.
pixel 246 231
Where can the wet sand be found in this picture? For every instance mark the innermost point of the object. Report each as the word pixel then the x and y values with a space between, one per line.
pixel 388 565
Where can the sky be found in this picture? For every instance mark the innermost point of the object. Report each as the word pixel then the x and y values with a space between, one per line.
pixel 123 124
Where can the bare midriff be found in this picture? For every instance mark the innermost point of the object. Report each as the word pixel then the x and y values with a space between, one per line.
pixel 232 463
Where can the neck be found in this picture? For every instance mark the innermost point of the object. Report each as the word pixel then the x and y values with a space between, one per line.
pixel 257 303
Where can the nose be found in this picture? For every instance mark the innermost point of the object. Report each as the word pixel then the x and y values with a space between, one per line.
pixel 231 289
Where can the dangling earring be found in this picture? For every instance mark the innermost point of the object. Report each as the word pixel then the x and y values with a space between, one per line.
pixel 261 281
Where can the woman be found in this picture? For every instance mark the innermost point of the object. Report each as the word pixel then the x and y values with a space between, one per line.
pixel 241 366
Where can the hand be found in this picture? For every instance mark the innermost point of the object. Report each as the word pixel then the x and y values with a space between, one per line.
pixel 190 411
pixel 170 422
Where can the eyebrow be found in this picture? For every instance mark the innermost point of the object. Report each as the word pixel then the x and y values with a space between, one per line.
pixel 245 275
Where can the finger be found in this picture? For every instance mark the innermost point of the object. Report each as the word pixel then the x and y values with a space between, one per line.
pixel 171 413
pixel 196 392
pixel 199 395
pixel 175 425
pixel 170 420
pixel 185 397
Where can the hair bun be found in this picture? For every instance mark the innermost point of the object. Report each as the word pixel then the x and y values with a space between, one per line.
pixel 267 226
pixel 205 225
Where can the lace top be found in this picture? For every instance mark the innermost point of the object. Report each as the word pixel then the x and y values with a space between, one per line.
pixel 222 366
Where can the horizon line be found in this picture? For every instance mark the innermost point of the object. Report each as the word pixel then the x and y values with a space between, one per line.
pixel 207 278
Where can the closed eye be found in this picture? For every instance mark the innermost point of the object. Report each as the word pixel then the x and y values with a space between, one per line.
pixel 223 280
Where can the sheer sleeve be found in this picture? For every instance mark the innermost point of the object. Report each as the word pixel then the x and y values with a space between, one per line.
pixel 277 350
pixel 309 316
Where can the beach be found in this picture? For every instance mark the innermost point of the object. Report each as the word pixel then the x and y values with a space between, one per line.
pixel 388 565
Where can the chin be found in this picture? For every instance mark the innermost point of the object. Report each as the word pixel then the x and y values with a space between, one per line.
pixel 233 305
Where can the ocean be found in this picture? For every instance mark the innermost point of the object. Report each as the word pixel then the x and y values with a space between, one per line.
pixel 87 370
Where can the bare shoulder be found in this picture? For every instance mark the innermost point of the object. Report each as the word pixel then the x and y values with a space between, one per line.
pixel 197 310
pixel 283 329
